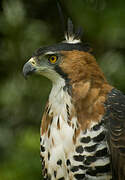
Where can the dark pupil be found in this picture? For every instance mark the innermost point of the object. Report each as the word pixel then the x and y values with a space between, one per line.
pixel 53 58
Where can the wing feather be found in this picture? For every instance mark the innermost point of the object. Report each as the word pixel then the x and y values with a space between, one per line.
pixel 115 124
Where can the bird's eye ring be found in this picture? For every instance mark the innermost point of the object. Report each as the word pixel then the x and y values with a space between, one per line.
pixel 52 59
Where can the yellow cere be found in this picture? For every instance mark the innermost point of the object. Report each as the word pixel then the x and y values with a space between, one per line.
pixel 53 59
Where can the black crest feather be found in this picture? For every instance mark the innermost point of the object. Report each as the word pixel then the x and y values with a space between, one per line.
pixel 69 28
pixel 71 35
pixel 61 15
pixel 70 31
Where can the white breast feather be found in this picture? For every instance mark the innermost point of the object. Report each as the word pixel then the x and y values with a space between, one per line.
pixel 63 147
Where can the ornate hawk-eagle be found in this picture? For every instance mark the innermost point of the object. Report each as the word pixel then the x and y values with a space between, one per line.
pixel 83 126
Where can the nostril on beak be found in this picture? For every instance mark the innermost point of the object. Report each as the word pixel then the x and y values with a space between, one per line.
pixel 32 62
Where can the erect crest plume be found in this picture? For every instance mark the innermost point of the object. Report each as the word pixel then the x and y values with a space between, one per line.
pixel 72 36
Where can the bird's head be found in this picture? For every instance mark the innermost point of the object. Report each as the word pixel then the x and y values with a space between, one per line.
pixel 70 60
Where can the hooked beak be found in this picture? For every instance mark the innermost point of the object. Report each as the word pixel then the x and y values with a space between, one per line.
pixel 29 67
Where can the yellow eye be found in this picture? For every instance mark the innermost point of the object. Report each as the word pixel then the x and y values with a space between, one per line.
pixel 52 59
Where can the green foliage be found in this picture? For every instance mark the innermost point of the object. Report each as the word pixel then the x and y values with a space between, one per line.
pixel 23 157
pixel 24 27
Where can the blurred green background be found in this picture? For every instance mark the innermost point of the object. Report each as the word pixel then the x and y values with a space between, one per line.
pixel 26 25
